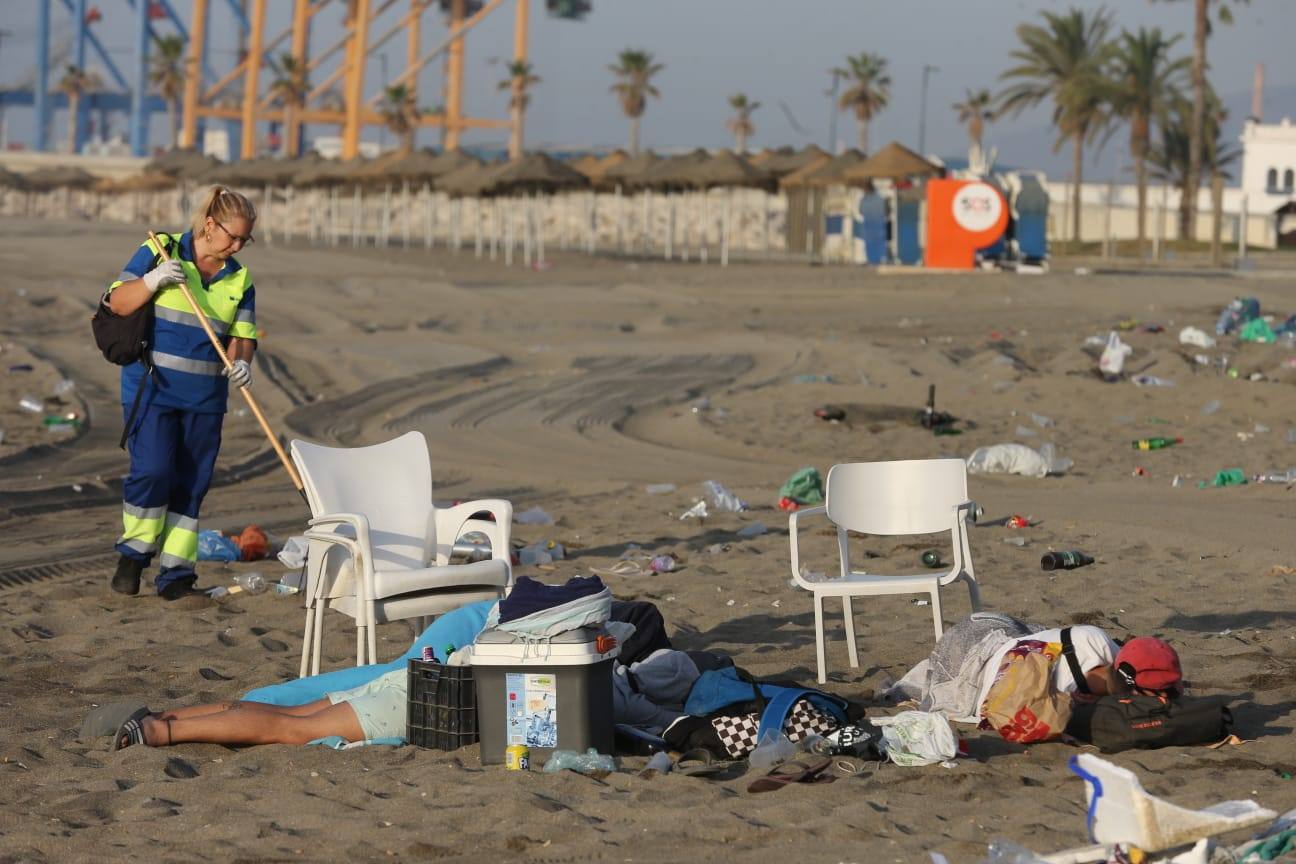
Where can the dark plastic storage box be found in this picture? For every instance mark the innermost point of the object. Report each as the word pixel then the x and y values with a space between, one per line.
pixel 442 706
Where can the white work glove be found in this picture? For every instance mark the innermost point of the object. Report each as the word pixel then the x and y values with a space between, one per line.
pixel 240 373
pixel 166 273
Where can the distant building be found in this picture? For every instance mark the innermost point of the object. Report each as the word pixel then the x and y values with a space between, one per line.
pixel 1268 164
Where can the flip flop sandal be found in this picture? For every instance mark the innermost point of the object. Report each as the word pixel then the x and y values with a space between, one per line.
pixel 700 763
pixel 793 772
pixel 621 568
pixel 131 731
pixel 107 719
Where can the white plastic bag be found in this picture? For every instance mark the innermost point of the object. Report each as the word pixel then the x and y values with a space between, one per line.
pixel 1017 459
pixel 293 553
pixel 1194 336
pixel 913 738
pixel 1113 356
pixel 722 499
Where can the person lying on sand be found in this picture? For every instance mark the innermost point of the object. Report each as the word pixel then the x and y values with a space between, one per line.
pixel 370 711
pixel 956 678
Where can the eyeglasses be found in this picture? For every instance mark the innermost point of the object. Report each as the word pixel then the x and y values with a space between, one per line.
pixel 244 241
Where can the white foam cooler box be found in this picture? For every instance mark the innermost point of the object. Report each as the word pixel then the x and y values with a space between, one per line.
pixel 551 694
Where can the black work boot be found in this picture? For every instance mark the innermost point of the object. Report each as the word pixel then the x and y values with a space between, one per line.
pixel 127 578
pixel 179 589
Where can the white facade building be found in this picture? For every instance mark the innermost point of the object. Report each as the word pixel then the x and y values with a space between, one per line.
pixel 1269 164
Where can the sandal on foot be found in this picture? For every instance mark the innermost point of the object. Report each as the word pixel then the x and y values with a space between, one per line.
pixel 107 719
pixel 131 731
pixel 793 772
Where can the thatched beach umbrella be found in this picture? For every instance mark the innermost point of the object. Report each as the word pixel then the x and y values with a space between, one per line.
pixel 59 177
pixel 469 181
pixel 182 163
pixel 628 171
pixel 724 169
pixel 536 172
pixel 596 167
pixel 421 166
pixel 781 164
pixel 892 162
pixel 328 172
pixel 823 173
pixel 253 172
pixel 11 180
pixel 149 182
pixel 673 172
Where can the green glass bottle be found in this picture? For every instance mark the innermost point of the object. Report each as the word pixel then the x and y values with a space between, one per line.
pixel 1156 443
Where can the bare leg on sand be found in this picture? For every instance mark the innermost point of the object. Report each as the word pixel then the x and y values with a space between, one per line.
pixel 249 723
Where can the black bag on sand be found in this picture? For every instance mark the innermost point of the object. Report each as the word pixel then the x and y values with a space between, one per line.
pixel 1116 723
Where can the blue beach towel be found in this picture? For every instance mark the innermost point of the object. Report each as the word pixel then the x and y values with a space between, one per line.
pixel 458 628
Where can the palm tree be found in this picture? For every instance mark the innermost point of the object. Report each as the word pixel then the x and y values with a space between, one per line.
pixel 290 88
pixel 975 111
pixel 1064 61
pixel 635 69
pixel 75 83
pixel 1197 133
pixel 1171 160
pixel 401 114
pixel 521 76
pixel 1145 81
pixel 869 91
pixel 168 75
pixel 740 123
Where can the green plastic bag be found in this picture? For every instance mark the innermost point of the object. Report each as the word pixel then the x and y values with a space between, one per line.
pixel 1258 330
pixel 803 487
pixel 1227 477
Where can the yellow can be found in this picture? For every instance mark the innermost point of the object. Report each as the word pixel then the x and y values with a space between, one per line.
pixel 517 757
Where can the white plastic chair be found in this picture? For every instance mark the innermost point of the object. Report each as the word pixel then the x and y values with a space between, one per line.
pixel 379 549
pixel 1120 811
pixel 921 496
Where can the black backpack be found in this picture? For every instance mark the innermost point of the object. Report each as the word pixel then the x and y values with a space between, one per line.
pixel 126 339
pixel 1116 723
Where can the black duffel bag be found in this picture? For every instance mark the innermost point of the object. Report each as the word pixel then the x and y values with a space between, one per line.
pixel 1115 723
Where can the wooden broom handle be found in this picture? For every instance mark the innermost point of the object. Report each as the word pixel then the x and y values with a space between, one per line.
pixel 220 351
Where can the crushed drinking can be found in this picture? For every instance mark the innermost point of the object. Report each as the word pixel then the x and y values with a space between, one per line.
pixel 517 757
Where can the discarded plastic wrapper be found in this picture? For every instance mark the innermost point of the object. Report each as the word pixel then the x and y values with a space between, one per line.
pixel 534 516
pixel 589 762
pixel 722 499
pixel 1018 459
pixel 697 511
pixel 293 553
pixel 913 738
pixel 755 529
pixel 1193 336
pixel 659 488
pixel 1151 381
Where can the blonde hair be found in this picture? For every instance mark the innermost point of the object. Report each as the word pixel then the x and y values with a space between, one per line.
pixel 222 204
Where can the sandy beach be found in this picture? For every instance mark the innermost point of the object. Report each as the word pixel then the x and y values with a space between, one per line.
pixel 571 389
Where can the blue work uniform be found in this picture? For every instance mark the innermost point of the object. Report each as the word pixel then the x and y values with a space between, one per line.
pixel 176 433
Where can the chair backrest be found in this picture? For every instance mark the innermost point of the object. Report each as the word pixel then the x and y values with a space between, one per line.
pixel 390 484
pixel 915 496
pixel 1120 811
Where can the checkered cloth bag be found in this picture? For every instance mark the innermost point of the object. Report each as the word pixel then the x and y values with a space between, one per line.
pixel 737 732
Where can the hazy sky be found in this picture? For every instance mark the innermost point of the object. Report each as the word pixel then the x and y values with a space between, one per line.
pixel 776 52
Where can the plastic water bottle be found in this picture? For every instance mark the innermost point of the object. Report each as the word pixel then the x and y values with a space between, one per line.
pixel 662 564
pixel 772 751
pixel 582 763
pixel 252 583
pixel 1287 476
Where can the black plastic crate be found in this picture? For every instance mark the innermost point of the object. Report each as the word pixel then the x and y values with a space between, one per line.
pixel 442 706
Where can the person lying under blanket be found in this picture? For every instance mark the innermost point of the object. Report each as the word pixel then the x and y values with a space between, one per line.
pixel 971 658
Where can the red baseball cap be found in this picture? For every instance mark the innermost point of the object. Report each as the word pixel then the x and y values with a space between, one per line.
pixel 1149 663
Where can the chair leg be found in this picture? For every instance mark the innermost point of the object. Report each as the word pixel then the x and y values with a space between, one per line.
pixel 307 636
pixel 849 614
pixel 819 638
pixel 372 633
pixel 320 608
pixel 974 591
pixel 360 643
pixel 936 613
